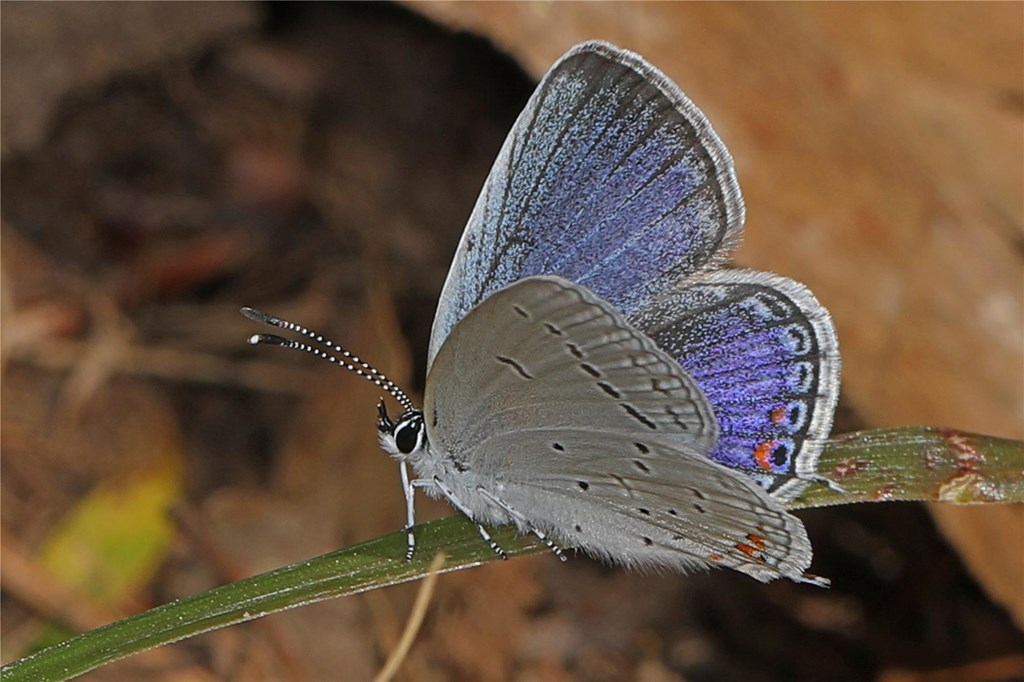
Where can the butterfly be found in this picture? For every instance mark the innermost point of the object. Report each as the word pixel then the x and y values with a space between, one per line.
pixel 595 376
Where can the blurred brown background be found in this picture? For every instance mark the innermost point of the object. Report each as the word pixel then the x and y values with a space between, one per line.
pixel 164 164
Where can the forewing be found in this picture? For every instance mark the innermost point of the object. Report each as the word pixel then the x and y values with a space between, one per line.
pixel 579 421
pixel 764 352
pixel 546 353
pixel 610 178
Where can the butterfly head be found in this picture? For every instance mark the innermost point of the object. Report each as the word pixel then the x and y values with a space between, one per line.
pixel 402 437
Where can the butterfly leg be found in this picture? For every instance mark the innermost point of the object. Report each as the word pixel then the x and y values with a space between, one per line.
pixel 410 511
pixel 450 496
pixel 822 480
pixel 409 488
pixel 541 535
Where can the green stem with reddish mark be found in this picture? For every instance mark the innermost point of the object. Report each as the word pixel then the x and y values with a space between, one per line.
pixel 919 464
pixel 916 463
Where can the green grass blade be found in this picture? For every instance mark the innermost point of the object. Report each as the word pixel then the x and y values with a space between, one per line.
pixel 884 465
pixel 370 565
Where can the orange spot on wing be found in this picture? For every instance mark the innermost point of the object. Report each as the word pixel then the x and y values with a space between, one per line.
pixel 762 454
pixel 778 414
pixel 757 541
pixel 715 557
pixel 752 552
pixel 755 548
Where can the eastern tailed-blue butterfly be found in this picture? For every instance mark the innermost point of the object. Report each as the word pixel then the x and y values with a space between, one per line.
pixel 594 377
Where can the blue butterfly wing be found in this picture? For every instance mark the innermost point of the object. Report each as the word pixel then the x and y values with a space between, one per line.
pixel 613 179
pixel 764 352
pixel 610 178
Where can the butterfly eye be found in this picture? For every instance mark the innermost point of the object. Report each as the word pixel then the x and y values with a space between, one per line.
pixel 408 435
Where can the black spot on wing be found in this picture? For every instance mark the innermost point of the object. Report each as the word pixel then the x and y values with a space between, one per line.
pixel 590 369
pixel 609 389
pixel 514 365
pixel 780 455
pixel 521 311
pixel 639 416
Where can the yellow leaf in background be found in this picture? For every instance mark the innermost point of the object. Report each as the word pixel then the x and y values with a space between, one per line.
pixel 110 544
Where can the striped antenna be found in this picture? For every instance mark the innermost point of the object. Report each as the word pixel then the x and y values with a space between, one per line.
pixel 336 354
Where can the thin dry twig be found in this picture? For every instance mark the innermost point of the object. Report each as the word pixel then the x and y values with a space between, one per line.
pixel 174 364
pixel 419 611
pixel 1001 668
